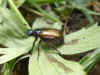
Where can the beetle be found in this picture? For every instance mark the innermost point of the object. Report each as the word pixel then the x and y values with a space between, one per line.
pixel 48 35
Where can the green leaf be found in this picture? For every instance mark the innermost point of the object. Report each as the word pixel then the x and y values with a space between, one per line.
pixel 8 54
pixel 13 36
pixel 90 60
pixel 81 41
pixel 53 64
pixel 3 3
pixel 42 23
pixel 7 68
pixel 11 28
pixel 82 3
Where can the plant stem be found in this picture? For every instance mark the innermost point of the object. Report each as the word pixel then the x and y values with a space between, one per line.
pixel 47 1
pixel 33 11
pixel 45 13
pixel 14 8
pixel 44 1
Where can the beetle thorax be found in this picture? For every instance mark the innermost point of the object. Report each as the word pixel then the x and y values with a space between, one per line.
pixel 36 33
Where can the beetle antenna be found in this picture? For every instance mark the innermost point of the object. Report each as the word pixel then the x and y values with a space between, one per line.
pixel 31 51
pixel 39 49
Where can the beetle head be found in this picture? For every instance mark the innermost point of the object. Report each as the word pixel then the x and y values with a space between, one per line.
pixel 34 33
pixel 30 32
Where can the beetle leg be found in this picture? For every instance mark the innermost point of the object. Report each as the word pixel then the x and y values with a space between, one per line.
pixel 31 51
pixel 39 49
pixel 54 48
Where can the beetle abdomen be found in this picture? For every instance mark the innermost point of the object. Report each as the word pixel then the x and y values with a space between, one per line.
pixel 51 33
pixel 53 36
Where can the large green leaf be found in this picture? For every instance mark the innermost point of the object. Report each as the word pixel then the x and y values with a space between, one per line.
pixel 13 36
pixel 53 64
pixel 84 40
pixel 11 27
